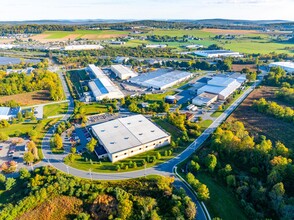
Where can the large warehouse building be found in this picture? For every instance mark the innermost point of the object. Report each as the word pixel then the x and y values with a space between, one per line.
pixel 161 79
pixel 123 72
pixel 221 86
pixel 287 66
pixel 102 87
pixel 126 137
pixel 217 53
pixel 7 113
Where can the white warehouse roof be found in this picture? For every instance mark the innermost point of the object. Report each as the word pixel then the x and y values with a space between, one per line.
pixel 287 66
pixel 223 86
pixel 83 47
pixel 217 53
pixel 123 72
pixel 102 87
pixel 161 79
pixel 96 71
pixel 126 133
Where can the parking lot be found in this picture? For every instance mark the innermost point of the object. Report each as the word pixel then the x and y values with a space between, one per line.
pixel 101 118
pixel 12 150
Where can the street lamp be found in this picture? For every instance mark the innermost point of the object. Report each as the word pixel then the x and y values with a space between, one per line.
pixel 67 169
pixel 90 170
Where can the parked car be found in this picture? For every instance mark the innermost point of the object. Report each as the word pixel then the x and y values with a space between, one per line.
pixel 1 147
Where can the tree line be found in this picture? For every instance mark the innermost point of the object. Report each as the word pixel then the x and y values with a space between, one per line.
pixel 16 83
pixel 259 173
pixel 147 198
pixel 274 109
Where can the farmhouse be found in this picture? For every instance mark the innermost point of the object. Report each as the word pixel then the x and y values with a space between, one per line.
pixel 223 87
pixel 102 87
pixel 161 79
pixel 7 113
pixel 287 66
pixel 126 137
pixel 123 72
pixel 217 53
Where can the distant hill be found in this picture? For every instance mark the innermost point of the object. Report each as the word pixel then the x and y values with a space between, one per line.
pixel 109 21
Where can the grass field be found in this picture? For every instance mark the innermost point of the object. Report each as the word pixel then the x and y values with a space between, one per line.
pixel 205 124
pixel 87 34
pixel 94 108
pixel 222 202
pixel 74 76
pixel 29 98
pixel 159 96
pixel 55 109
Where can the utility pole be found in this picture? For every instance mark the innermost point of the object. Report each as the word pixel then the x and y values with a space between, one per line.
pixel 67 169
pixel 145 170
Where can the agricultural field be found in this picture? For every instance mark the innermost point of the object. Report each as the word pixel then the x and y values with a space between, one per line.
pixel 48 36
pixel 29 98
pixel 259 123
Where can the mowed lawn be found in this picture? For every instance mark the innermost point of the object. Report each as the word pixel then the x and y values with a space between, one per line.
pixel 94 108
pixel 222 202
pixel 55 109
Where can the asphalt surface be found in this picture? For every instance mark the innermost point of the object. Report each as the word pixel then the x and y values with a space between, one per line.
pixel 165 169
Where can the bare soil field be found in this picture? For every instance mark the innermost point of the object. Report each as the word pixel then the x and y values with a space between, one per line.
pixel 260 124
pixel 229 31
pixel 239 67
pixel 61 208
pixel 27 99
pixel 45 38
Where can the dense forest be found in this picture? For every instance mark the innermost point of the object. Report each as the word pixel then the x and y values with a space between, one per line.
pixel 16 83
pixel 151 198
pixel 259 172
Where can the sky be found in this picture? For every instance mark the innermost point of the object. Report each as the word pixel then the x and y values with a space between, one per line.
pixel 18 10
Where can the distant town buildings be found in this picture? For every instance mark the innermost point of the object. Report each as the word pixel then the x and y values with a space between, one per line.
pixel 287 66
pixel 126 137
pixel 194 46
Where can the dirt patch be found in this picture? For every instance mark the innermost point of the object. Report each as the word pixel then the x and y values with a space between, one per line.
pixel 61 208
pixel 30 98
pixel 102 36
pixel 239 67
pixel 229 31
pixel 260 124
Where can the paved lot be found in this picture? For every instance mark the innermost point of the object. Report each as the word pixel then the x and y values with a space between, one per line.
pixel 39 112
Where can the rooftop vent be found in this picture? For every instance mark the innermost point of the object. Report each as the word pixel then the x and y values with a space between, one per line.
pixel 152 131
pixel 112 142
pixel 126 138
pixel 140 133
pixel 102 130
pixel 115 126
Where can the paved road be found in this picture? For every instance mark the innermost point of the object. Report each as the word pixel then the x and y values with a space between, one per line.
pixel 165 169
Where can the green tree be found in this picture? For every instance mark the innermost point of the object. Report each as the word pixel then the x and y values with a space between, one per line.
pixel 91 145
pixel 125 207
pixel 3 136
pixel 28 157
pixel 24 173
pixel 9 183
pixel 211 162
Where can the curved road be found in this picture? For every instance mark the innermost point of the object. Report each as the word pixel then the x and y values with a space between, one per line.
pixel 165 169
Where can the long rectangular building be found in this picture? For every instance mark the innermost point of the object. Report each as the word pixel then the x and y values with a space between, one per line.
pixel 221 86
pixel 7 113
pixel 217 53
pixel 123 72
pixel 161 79
pixel 102 87
pixel 126 137
pixel 287 66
